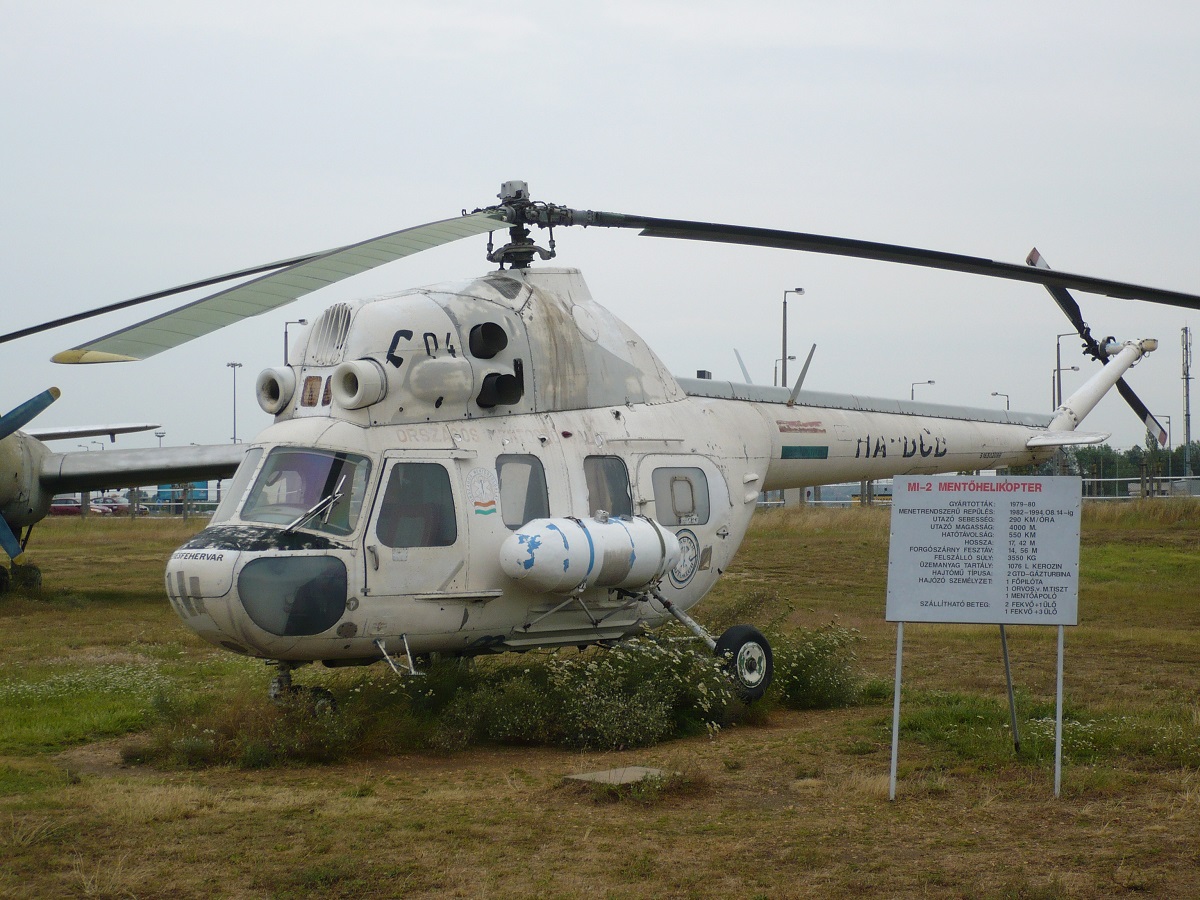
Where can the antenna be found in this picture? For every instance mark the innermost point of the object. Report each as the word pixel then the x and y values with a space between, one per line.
pixel 745 374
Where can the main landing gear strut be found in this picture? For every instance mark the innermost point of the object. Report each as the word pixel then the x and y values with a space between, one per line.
pixel 281 690
pixel 746 651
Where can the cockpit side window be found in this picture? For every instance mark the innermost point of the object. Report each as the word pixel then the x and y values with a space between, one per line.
pixel 608 485
pixel 523 495
pixel 293 482
pixel 237 487
pixel 417 509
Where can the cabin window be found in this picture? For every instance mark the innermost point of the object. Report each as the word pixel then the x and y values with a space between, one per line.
pixel 523 495
pixel 319 490
pixel 417 509
pixel 680 496
pixel 608 485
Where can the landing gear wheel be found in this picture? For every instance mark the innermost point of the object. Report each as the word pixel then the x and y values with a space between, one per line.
pixel 318 700
pixel 27 578
pixel 749 660
pixel 322 700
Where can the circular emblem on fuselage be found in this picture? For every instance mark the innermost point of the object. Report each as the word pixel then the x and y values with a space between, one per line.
pixel 689 558
pixel 482 490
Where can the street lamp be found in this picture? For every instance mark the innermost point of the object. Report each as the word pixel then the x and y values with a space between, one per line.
pixel 912 391
pixel 775 377
pixel 1056 384
pixel 1004 395
pixel 97 443
pixel 285 336
pixel 1169 446
pixel 1058 363
pixel 798 292
pixel 160 435
pixel 235 366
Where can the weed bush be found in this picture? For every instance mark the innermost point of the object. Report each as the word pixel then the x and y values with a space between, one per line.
pixel 815 669
pixel 634 694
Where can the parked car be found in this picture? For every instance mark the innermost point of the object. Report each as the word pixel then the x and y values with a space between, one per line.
pixel 70 506
pixel 119 506
pixel 64 506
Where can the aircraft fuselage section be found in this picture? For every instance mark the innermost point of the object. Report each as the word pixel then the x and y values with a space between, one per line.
pixel 413 545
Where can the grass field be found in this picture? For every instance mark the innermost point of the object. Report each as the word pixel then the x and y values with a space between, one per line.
pixel 793 805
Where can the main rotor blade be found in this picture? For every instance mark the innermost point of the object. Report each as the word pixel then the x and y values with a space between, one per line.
pixel 895 253
pixel 271 291
pixel 157 295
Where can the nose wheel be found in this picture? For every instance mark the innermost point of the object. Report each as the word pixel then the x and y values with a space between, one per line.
pixel 281 691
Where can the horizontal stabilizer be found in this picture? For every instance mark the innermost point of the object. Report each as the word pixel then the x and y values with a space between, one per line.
pixel 1066 439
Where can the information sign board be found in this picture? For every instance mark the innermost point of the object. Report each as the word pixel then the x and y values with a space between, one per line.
pixel 984 550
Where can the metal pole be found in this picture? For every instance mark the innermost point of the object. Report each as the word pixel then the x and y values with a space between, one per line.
pixel 896 710
pixel 1058 373
pixel 1012 703
pixel 1058 716
pixel 235 366
pixel 785 293
pixel 798 292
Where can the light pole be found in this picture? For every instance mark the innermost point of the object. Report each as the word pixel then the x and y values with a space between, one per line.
pixel 160 435
pixel 285 336
pixel 97 443
pixel 798 292
pixel 1004 395
pixel 775 377
pixel 1169 446
pixel 912 391
pixel 235 366
pixel 1058 363
pixel 1056 384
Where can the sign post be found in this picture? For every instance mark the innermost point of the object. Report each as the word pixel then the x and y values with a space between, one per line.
pixel 976 550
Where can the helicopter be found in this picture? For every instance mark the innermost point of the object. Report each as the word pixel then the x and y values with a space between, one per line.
pixel 501 464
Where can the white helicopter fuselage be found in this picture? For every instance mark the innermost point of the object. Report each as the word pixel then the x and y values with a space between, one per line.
pixel 502 464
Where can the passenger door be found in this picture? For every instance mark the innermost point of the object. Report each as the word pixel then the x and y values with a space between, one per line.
pixel 416 542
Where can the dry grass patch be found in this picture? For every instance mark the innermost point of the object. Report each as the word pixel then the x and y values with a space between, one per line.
pixel 787 804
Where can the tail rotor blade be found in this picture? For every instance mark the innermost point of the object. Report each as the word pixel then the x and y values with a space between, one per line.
pixel 27 411
pixel 1068 305
pixel 1093 348
pixel 1152 424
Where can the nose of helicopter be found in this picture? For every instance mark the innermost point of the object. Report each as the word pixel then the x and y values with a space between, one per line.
pixel 199 583
pixel 256 602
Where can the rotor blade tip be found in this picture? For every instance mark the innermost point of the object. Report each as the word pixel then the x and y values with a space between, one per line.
pixel 77 356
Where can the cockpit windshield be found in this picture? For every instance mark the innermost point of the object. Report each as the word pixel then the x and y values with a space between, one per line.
pixel 318 490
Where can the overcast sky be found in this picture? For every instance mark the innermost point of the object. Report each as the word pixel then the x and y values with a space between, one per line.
pixel 147 144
